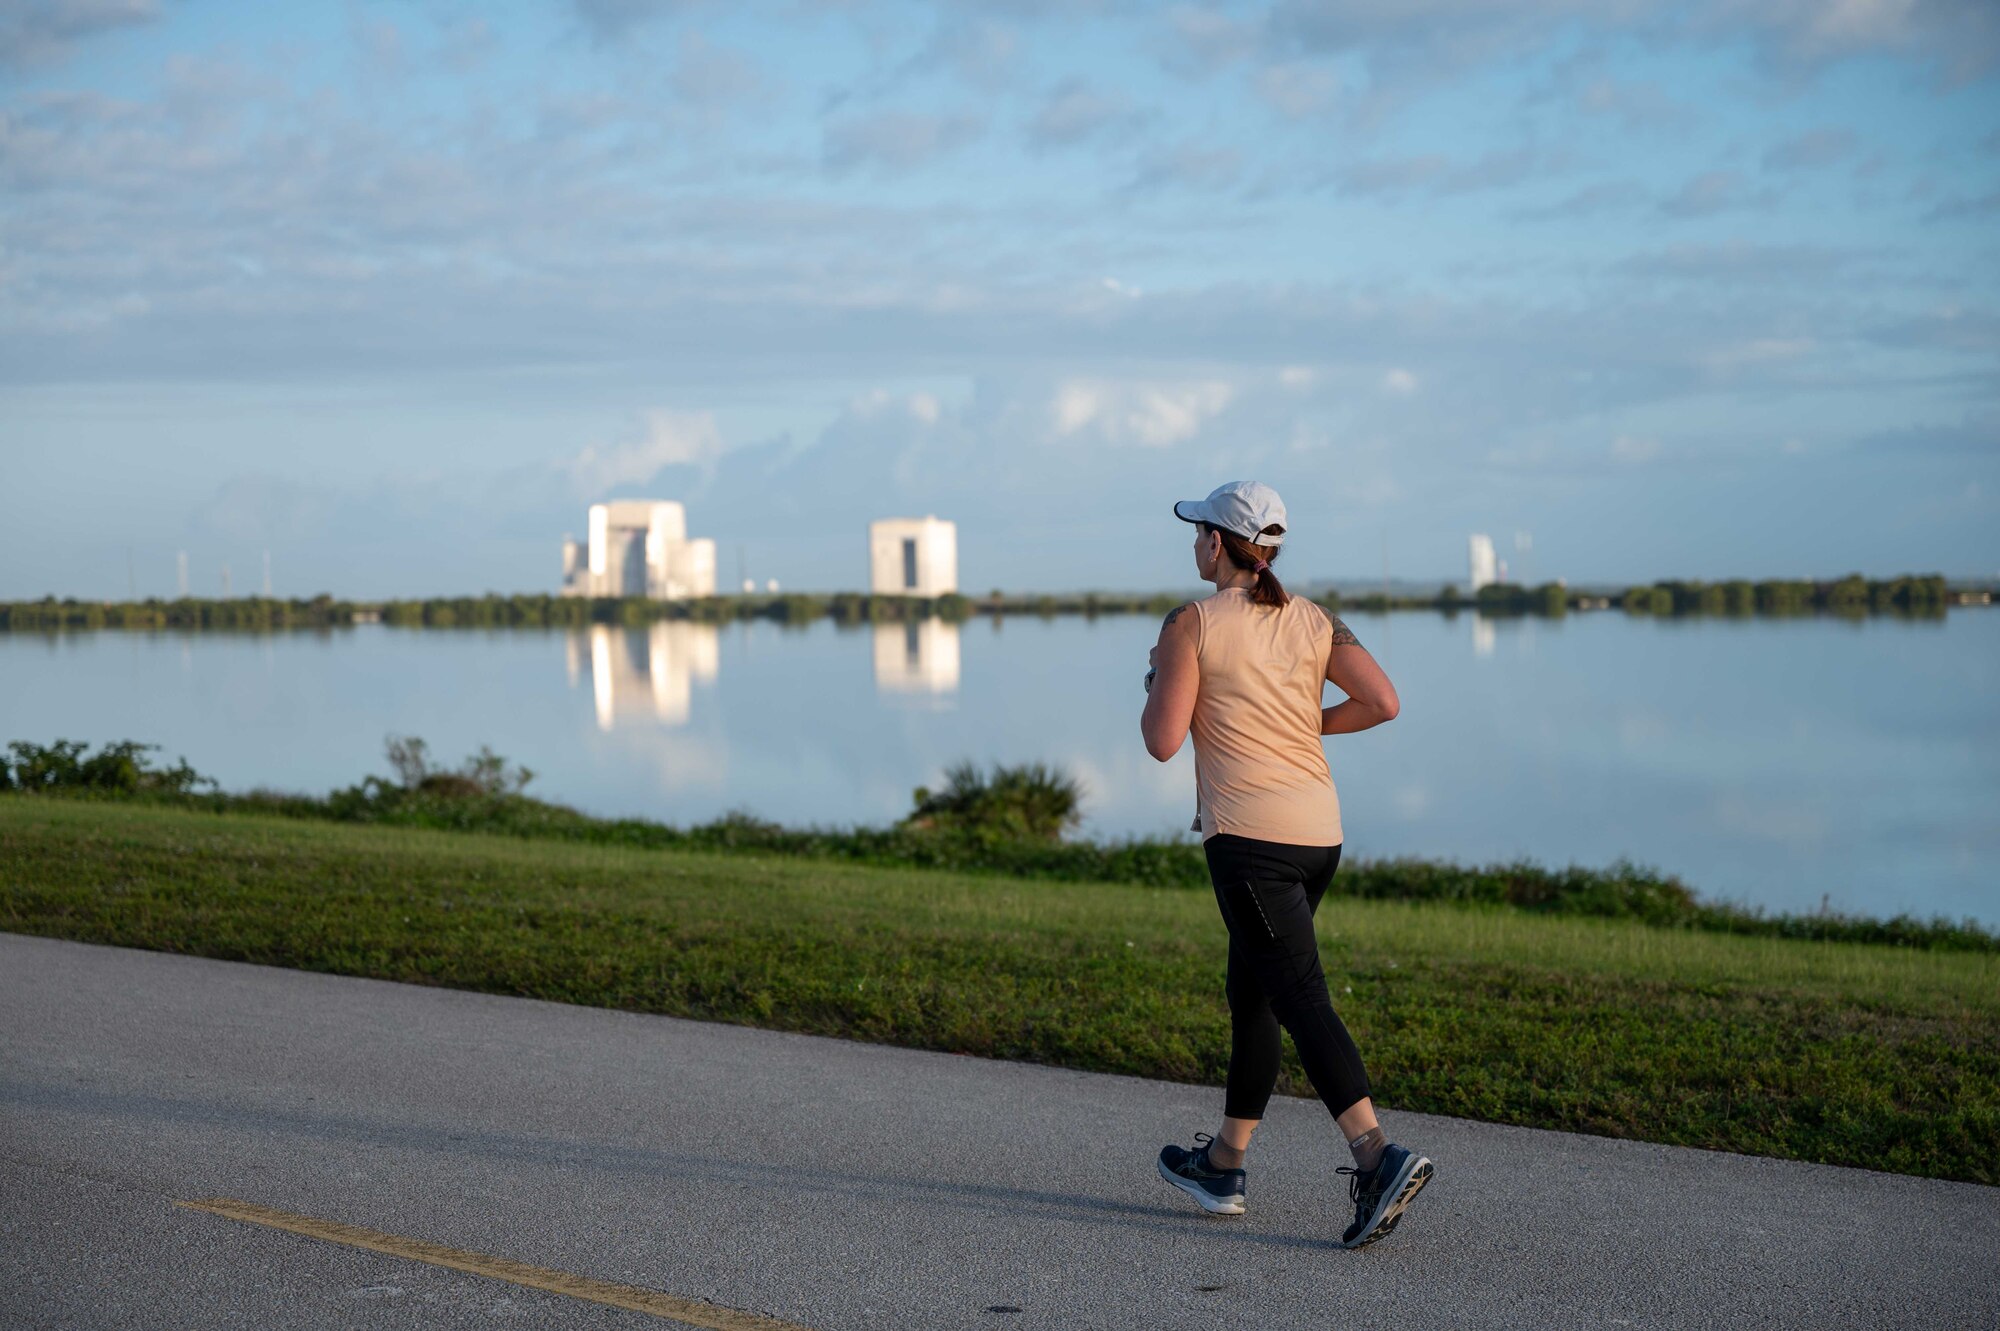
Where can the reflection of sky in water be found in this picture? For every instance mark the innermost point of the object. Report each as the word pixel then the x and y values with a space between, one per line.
pixel 1773 761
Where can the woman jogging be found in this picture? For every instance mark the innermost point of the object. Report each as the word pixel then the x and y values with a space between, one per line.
pixel 1243 672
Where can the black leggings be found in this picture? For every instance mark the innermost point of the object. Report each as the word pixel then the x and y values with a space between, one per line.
pixel 1268 893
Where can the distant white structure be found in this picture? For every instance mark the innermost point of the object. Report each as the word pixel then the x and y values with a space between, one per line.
pixel 1485 567
pixel 912 557
pixel 639 547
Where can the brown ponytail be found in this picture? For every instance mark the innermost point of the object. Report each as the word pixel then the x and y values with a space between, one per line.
pixel 1268 591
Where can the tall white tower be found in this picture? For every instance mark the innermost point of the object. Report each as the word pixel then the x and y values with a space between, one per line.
pixel 912 557
pixel 639 547
pixel 1484 565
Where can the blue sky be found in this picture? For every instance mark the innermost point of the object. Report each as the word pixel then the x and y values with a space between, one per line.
pixel 394 291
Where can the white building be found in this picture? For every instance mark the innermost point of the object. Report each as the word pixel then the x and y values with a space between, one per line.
pixel 639 547
pixel 912 557
pixel 1485 567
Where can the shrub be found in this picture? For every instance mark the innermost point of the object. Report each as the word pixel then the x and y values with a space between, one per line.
pixel 483 775
pixel 1033 802
pixel 119 769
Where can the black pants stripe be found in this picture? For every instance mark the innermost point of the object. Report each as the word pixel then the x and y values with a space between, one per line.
pixel 1268 893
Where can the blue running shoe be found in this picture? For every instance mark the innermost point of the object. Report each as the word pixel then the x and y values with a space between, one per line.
pixel 1220 1191
pixel 1382 1195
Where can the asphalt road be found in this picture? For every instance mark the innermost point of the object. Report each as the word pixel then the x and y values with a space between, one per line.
pixel 828 1184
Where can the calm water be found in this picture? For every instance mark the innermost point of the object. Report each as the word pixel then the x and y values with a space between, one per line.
pixel 1769 761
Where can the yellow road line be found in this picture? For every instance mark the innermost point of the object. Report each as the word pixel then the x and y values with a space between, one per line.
pixel 692 1312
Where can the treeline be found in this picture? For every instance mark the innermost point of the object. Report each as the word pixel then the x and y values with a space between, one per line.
pixel 1909 594
pixel 1925 595
pixel 638 611
pixel 1851 595
pixel 1007 821
pixel 494 610
pixel 489 611
pixel 245 612
pixel 792 608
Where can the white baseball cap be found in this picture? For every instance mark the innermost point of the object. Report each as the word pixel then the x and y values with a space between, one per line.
pixel 1242 507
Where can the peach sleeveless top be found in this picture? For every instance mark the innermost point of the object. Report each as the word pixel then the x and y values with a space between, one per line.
pixel 1259 764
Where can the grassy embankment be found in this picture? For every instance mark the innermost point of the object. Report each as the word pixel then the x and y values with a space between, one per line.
pixel 1842 1052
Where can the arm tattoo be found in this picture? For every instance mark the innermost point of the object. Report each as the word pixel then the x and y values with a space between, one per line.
pixel 1172 615
pixel 1343 636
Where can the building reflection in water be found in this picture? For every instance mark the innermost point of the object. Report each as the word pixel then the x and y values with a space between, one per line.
pixel 916 657
pixel 1482 635
pixel 644 673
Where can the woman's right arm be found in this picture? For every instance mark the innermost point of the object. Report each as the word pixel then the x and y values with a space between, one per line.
pixel 1170 698
pixel 1371 698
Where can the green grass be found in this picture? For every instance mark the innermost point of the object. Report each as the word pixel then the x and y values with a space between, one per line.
pixel 1007 822
pixel 1838 1052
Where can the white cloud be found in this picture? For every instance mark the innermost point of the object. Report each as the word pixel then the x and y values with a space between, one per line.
pixel 1211 39
pixel 1612 196
pixel 1860 23
pixel 1738 263
pixel 672 438
pixel 1297 89
pixel 1370 489
pixel 1151 415
pixel 1298 376
pixel 1633 450
pixel 1197 166
pixel 1076 406
pixel 898 140
pixel 1416 45
pixel 708 75
pixel 977 49
pixel 612 20
pixel 1713 192
pixel 1816 148
pixel 38 31
pixel 1072 112
pixel 877 402
pixel 1438 173
pixel 1163 416
pixel 1756 351
pixel 262 510
pixel 1399 381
